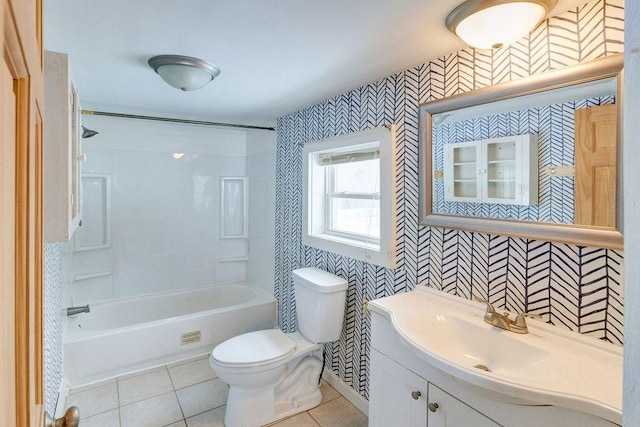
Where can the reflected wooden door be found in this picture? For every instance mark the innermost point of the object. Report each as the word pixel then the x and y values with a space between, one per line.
pixel 21 360
pixel 595 168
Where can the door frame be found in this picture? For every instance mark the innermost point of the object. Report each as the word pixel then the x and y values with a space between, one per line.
pixel 21 36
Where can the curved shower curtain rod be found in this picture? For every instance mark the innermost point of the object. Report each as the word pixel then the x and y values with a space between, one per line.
pixel 172 120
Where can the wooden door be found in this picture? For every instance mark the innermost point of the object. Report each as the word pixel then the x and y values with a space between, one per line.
pixel 596 158
pixel 21 80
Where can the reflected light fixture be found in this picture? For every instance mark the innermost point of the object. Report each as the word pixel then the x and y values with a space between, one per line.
pixel 184 72
pixel 491 24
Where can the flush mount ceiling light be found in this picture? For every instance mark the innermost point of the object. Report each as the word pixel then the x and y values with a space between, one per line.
pixel 488 24
pixel 184 72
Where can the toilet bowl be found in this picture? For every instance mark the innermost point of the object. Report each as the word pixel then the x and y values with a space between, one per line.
pixel 272 375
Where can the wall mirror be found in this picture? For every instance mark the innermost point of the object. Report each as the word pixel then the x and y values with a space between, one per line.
pixel 538 157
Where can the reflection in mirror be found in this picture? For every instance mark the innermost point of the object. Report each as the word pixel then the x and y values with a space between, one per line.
pixel 527 154
pixel 534 158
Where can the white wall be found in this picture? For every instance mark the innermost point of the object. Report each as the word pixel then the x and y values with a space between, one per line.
pixel 261 170
pixel 165 211
pixel 631 403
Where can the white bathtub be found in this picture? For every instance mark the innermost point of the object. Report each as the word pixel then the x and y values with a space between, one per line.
pixel 138 333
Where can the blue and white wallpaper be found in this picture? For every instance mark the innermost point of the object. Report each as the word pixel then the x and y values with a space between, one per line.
pixel 554 126
pixel 575 287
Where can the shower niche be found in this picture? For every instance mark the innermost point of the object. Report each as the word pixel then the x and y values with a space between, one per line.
pixel 233 209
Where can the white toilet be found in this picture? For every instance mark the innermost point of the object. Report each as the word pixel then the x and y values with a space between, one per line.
pixel 272 374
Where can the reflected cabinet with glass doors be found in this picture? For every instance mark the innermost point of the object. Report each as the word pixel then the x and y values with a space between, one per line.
pixel 496 170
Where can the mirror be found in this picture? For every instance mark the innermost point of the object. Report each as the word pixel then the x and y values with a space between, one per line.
pixel 517 158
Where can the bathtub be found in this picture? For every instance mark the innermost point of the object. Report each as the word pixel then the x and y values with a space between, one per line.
pixel 139 333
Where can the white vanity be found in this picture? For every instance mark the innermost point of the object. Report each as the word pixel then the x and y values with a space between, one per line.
pixel 435 362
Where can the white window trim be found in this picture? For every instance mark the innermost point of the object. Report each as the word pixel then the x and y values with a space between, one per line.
pixel 384 254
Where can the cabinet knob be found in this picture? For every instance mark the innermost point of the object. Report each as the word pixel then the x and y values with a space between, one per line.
pixel 433 407
pixel 416 395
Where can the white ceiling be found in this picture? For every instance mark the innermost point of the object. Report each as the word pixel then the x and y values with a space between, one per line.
pixel 276 56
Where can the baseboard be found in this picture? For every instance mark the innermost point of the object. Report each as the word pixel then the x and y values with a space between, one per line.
pixel 345 389
pixel 61 403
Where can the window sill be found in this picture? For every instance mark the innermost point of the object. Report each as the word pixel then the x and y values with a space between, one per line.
pixel 367 252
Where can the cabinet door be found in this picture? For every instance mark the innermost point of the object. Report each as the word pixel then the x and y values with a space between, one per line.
pixel 510 170
pixel 397 396
pixel 76 158
pixel 501 170
pixel 62 155
pixel 461 172
pixel 447 411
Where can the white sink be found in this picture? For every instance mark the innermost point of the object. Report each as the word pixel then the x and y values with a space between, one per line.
pixel 547 366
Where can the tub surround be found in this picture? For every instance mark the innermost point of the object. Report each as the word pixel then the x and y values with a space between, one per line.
pixel 575 287
pixel 232 152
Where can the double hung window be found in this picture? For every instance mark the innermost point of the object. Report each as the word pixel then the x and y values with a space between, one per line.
pixel 349 201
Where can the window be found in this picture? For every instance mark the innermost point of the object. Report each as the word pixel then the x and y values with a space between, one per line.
pixel 349 195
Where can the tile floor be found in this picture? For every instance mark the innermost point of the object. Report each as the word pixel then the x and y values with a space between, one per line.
pixel 187 394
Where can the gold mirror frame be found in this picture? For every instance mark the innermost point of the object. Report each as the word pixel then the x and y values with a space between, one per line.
pixel 603 68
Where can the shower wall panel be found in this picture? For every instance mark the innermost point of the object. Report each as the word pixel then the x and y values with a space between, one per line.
pixel 165 209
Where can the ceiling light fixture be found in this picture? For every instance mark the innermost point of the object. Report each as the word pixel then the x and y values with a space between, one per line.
pixel 491 24
pixel 184 72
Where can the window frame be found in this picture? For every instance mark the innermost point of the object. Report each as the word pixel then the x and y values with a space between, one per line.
pixel 316 204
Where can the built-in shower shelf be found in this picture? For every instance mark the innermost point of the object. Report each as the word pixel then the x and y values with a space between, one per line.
pixel 234 259
pixel 94 275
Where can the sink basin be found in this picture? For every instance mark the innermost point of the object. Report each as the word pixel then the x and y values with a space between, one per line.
pixel 465 342
pixel 547 366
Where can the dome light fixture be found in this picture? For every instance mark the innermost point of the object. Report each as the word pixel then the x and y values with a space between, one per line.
pixel 184 72
pixel 491 24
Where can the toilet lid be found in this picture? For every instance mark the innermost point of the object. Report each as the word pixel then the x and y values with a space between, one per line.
pixel 254 348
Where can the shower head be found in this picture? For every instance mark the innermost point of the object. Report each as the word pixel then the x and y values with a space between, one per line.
pixel 88 133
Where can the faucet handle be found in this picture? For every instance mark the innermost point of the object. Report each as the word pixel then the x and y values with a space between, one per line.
pixel 521 321
pixel 490 309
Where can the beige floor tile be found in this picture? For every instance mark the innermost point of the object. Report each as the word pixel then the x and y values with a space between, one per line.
pixel 95 400
pixel 328 393
pixel 202 397
pixel 141 387
pixel 155 412
pixel 178 424
pixel 213 418
pixel 191 373
pixel 106 419
pixel 338 413
pixel 300 420
pixel 189 360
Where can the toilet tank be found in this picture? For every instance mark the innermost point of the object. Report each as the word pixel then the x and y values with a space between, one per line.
pixel 320 299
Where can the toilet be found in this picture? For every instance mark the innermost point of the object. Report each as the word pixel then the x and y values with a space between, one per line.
pixel 272 375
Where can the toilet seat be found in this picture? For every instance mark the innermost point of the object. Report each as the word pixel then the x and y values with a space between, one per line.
pixel 254 349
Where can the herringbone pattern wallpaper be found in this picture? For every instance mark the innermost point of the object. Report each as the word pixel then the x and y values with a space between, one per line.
pixel 554 125
pixel 571 286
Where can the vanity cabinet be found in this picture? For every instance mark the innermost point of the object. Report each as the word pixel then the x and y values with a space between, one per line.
pixel 445 410
pixel 496 170
pixel 397 395
pixel 62 156
pixel 405 390
pixel 403 398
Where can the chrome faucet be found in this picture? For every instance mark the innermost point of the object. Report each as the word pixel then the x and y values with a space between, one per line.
pixel 519 325
pixel 72 311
